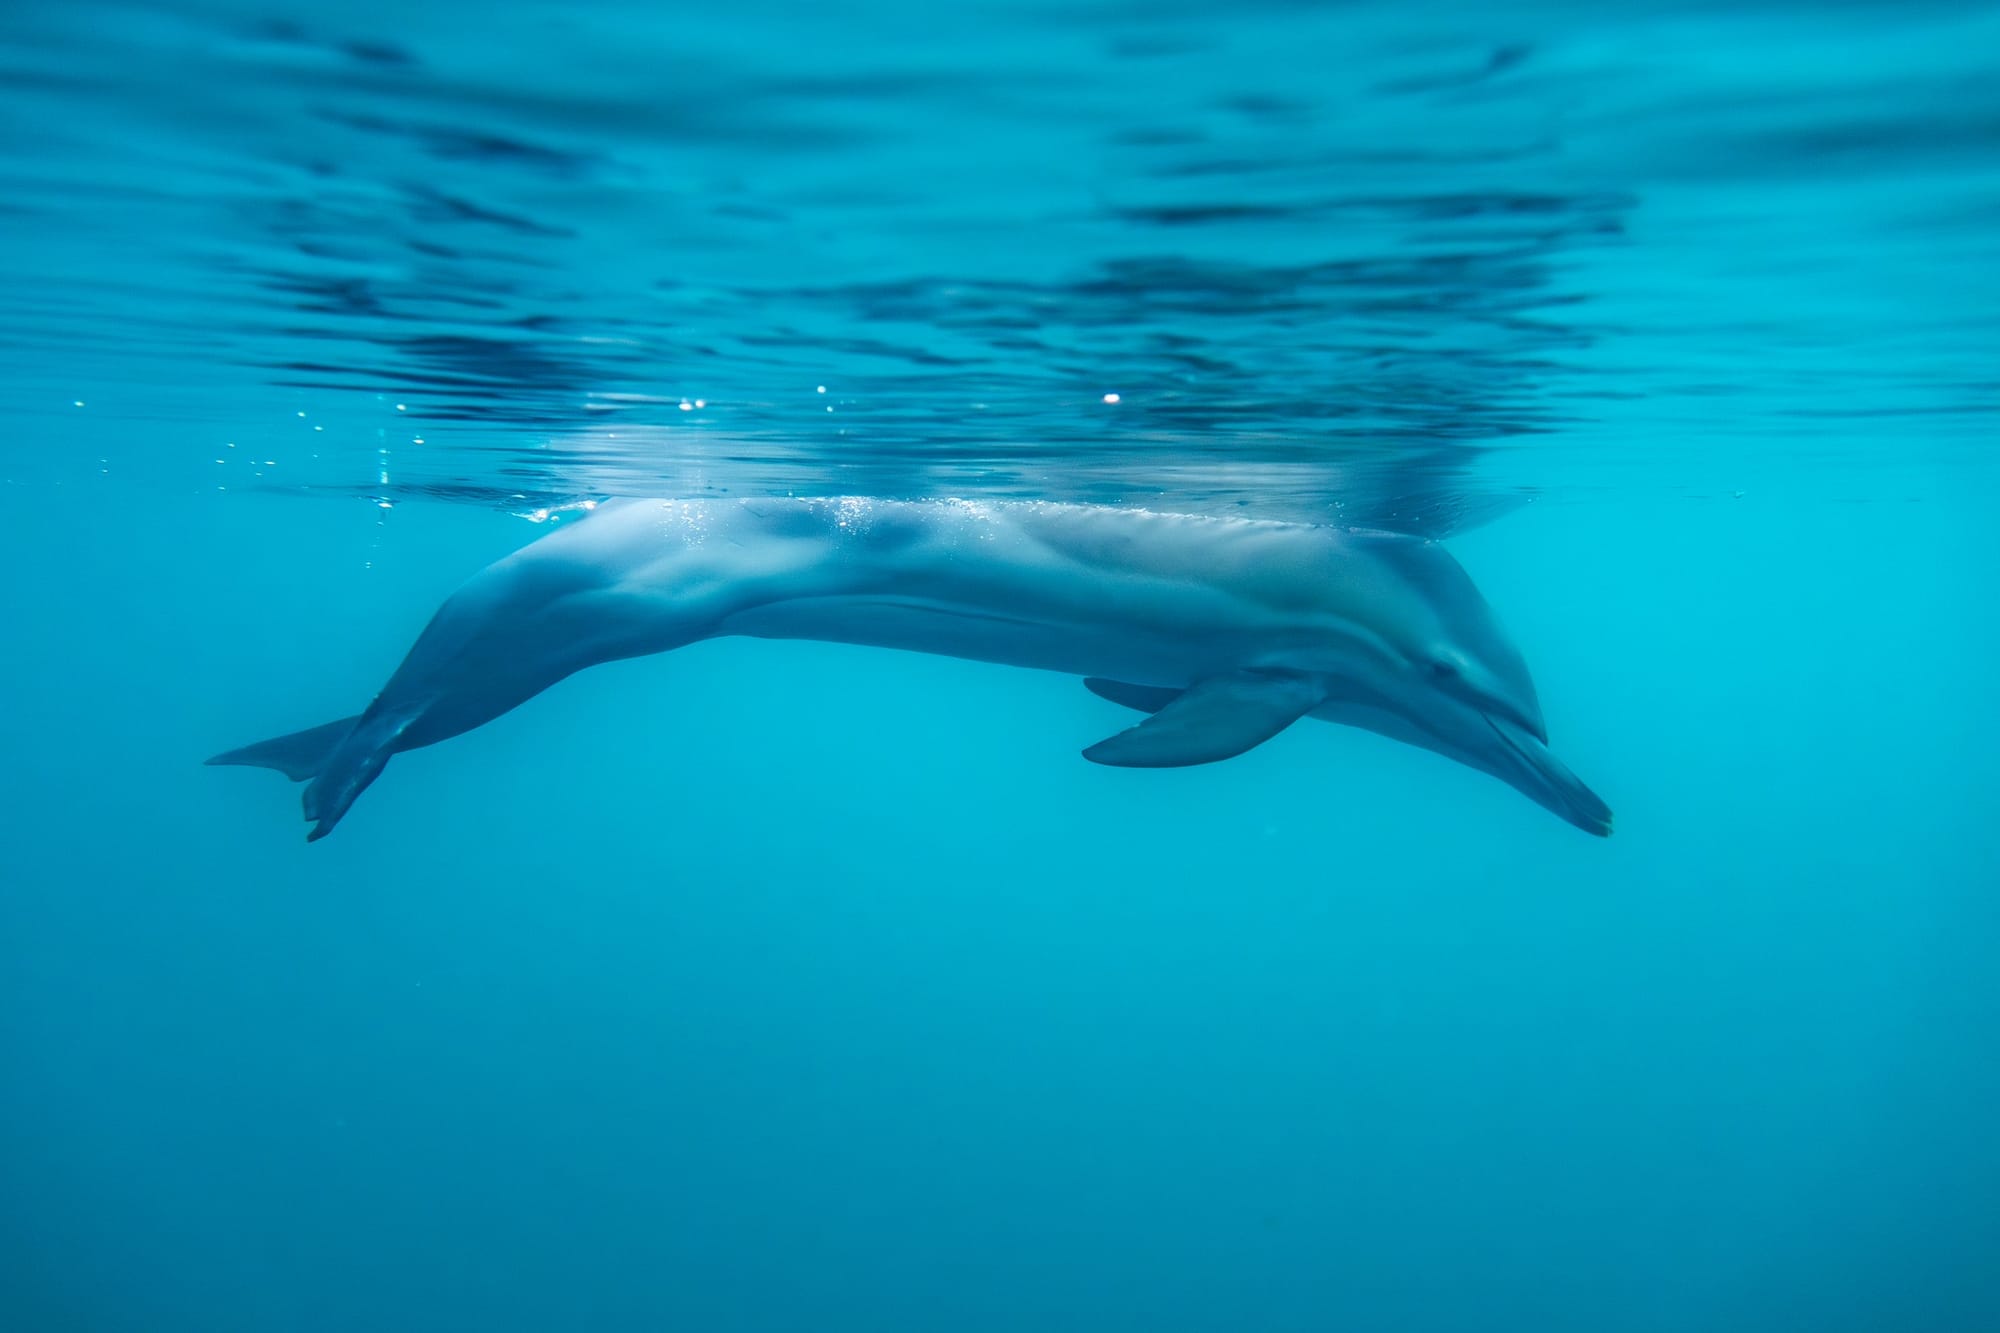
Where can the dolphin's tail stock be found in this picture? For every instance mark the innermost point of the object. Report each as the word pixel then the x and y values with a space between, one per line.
pixel 336 761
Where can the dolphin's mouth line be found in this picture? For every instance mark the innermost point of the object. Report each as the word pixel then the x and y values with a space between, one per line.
pixel 1579 804
pixel 1512 744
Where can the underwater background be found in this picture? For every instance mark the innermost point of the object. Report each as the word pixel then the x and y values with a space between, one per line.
pixel 771 986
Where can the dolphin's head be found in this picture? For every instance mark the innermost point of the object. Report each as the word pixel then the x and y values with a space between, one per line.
pixel 1441 635
pixel 1468 658
pixel 1454 682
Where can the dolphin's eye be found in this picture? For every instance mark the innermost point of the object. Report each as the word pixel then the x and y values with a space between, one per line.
pixel 1443 669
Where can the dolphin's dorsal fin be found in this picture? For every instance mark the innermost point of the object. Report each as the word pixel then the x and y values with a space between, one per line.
pixel 1216 718
pixel 1145 698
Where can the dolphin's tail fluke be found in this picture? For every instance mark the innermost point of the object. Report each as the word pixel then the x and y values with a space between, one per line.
pixel 299 756
pixel 336 762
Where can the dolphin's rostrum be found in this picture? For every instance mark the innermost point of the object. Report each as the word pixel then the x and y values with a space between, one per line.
pixel 1223 631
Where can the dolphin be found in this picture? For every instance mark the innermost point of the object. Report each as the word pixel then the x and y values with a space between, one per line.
pixel 1223 631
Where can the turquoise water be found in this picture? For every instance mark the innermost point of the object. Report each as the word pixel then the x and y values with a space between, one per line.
pixel 798 986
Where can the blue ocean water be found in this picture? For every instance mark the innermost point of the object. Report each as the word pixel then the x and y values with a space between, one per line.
pixel 772 986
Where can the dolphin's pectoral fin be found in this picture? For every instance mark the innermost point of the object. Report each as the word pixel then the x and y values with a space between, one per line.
pixel 1145 698
pixel 1212 719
